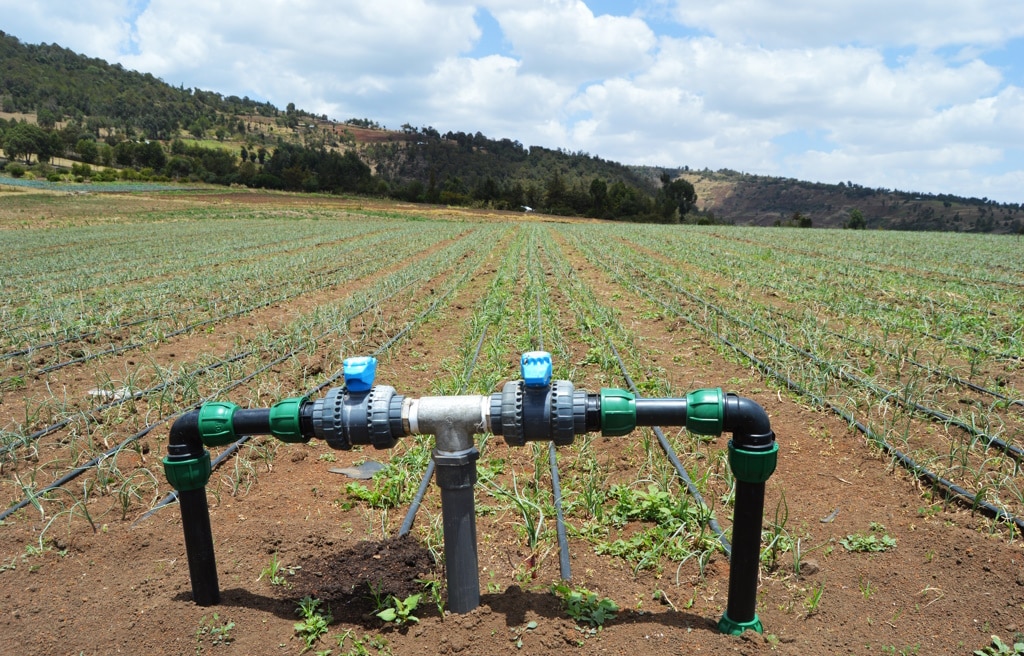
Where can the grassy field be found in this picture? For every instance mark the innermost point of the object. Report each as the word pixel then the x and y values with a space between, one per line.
pixel 890 363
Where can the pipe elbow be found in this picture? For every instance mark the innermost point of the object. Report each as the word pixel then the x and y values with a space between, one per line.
pixel 184 440
pixel 748 422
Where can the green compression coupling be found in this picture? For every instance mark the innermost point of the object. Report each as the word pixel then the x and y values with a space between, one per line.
pixel 753 466
pixel 618 412
pixel 188 475
pixel 730 627
pixel 284 420
pixel 215 423
pixel 705 410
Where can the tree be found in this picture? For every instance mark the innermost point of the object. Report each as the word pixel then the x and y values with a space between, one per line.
pixel 856 221
pixel 555 194
pixel 25 140
pixel 598 197
pixel 46 119
pixel 676 195
pixel 87 150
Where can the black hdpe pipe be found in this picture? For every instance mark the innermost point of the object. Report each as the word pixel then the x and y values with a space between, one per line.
pixel 752 459
pixel 187 465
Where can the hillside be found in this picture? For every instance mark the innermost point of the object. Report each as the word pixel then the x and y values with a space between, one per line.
pixel 67 109
pixel 766 201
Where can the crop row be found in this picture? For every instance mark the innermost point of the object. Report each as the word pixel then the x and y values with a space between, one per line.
pixel 926 419
pixel 326 327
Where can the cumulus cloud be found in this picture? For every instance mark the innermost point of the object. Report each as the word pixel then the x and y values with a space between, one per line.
pixel 98 28
pixel 563 39
pixel 918 94
pixel 926 24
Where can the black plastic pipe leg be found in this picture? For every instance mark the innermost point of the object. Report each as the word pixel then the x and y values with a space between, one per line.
pixel 202 565
pixel 746 554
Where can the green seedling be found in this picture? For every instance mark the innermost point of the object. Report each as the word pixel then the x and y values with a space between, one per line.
pixel 813 601
pixel 214 631
pixel 362 646
pixel 433 588
pixel 273 571
pixel 399 611
pixel 314 621
pixel 585 606
pixel 1000 648
pixel 877 540
pixel 517 633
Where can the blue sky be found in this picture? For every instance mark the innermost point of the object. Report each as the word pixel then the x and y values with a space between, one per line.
pixel 922 95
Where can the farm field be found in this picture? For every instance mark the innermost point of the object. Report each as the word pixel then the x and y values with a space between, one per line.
pixel 891 365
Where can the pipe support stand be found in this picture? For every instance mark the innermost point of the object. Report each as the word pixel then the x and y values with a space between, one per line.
pixel 455 474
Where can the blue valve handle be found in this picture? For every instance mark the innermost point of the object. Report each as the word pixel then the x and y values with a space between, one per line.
pixel 536 368
pixel 359 373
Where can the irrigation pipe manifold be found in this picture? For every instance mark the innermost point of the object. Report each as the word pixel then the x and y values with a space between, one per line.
pixel 533 408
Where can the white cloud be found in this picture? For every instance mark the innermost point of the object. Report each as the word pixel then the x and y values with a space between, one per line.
pixel 99 28
pixel 564 40
pixel 926 24
pixel 492 95
pixel 920 94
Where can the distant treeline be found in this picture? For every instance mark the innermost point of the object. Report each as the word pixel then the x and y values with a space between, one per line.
pixel 427 172
pixel 101 114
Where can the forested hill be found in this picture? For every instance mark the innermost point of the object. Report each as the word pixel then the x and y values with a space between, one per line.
pixel 112 123
pixel 57 84
pixel 134 125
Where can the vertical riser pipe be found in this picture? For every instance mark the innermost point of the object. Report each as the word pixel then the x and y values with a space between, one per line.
pixel 202 565
pixel 455 473
pixel 460 550
pixel 744 566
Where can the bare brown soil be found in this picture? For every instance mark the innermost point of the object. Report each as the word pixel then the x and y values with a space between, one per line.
pixel 121 586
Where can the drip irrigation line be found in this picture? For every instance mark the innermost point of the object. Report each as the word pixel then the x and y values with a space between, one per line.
pixel 359 242
pixel 170 498
pixel 421 491
pixel 302 275
pixel 945 486
pixel 80 470
pixel 410 516
pixel 90 416
pixel 881 267
pixel 828 367
pixel 564 567
pixel 153 256
pixel 886 307
pixel 674 459
pixel 80 336
pixel 670 453
pixel 977 349
pixel 113 350
pixel 950 377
